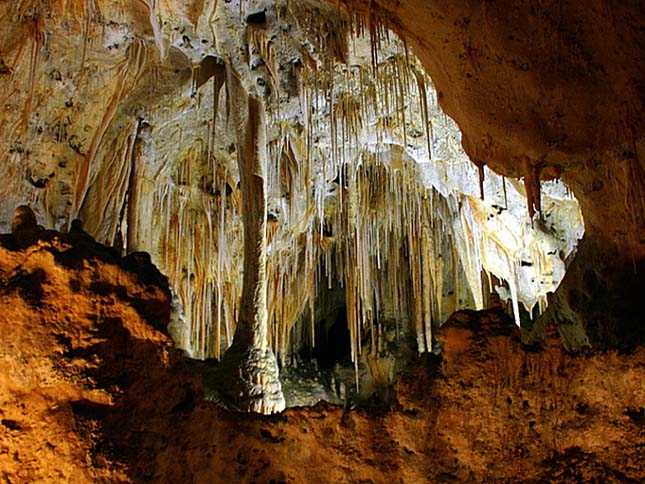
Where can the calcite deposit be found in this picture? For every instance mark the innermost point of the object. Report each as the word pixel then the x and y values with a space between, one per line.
pixel 342 193
pixel 140 133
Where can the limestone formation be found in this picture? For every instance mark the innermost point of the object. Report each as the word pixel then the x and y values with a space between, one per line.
pixel 249 369
pixel 266 152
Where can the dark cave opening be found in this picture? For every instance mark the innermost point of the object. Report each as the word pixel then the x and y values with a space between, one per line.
pixel 333 341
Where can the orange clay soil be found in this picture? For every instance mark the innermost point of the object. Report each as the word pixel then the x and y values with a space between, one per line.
pixel 91 390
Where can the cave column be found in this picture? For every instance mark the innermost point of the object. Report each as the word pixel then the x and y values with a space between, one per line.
pixel 249 370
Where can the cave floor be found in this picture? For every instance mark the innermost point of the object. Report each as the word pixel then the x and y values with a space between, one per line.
pixel 92 390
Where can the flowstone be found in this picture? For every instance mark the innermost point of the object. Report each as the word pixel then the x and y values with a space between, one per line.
pixel 247 380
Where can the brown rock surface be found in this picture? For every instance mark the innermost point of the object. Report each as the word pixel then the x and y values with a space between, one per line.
pixel 90 391
pixel 553 82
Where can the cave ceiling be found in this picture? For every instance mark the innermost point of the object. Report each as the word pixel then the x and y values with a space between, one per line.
pixel 117 113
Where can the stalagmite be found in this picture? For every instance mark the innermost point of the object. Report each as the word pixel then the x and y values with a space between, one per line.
pixel 249 370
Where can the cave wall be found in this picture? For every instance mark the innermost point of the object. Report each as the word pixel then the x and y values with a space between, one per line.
pixel 544 89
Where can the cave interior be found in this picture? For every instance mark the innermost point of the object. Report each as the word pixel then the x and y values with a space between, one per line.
pixel 409 235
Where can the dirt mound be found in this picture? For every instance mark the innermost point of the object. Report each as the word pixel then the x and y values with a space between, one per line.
pixel 91 390
pixel 78 340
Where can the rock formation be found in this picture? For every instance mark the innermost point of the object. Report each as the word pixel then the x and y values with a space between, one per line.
pixel 92 390
pixel 431 211
pixel 249 370
pixel 544 90
pixel 260 151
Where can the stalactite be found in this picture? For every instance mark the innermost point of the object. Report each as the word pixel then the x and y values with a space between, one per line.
pixel 86 35
pixel 532 185
pixel 114 176
pixel 128 75
pixel 151 7
pixel 480 169
pixel 348 204
pixel 36 47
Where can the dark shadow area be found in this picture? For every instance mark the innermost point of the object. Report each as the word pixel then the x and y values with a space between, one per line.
pixel 333 341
